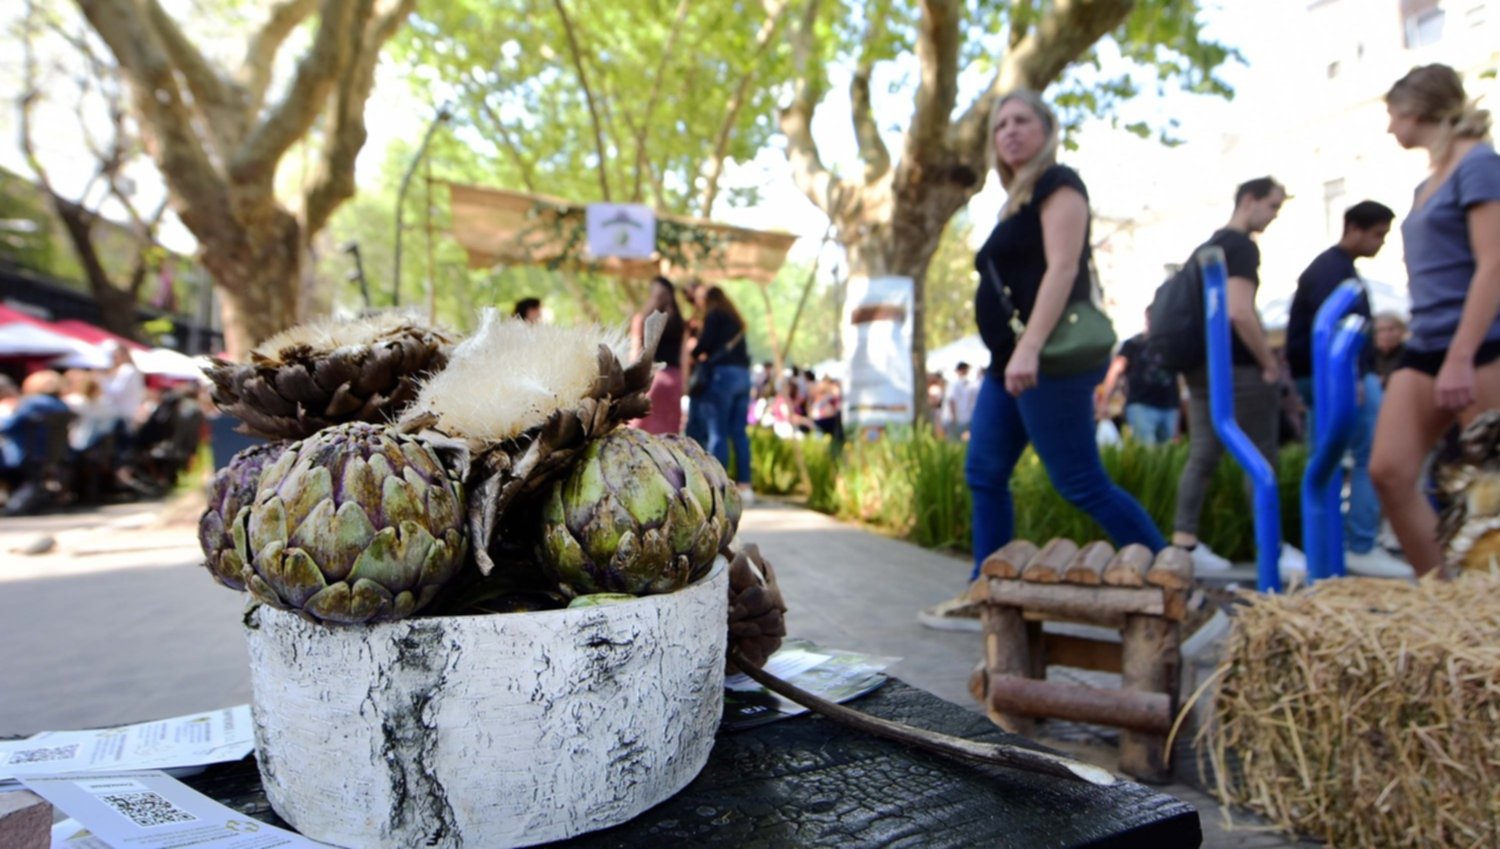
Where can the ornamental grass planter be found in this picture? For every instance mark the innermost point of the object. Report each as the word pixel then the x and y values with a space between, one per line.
pixel 491 730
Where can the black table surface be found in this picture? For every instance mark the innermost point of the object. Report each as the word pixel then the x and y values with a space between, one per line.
pixel 810 782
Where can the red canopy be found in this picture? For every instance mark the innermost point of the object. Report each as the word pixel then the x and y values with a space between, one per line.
pixel 10 316
pixel 96 335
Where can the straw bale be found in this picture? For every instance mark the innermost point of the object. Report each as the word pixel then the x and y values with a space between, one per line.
pixel 1365 712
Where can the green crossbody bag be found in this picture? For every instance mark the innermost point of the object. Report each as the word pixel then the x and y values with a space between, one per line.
pixel 1083 339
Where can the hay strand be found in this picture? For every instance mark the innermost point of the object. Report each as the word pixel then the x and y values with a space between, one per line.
pixel 1364 712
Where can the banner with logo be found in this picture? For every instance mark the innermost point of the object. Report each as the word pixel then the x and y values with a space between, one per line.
pixel 623 230
pixel 877 333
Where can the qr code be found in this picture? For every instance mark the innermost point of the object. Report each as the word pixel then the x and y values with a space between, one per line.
pixel 147 809
pixel 37 756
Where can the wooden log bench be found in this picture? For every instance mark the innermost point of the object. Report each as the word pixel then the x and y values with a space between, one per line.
pixel 1144 597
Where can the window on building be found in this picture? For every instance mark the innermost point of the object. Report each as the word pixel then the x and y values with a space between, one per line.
pixel 1422 21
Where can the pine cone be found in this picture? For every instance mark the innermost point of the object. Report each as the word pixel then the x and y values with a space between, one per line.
pixel 551 406
pixel 315 376
pixel 757 614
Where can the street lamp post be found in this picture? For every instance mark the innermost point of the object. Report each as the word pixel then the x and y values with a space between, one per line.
pixel 444 113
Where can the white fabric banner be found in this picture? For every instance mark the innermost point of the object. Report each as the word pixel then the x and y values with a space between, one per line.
pixel 624 230
pixel 877 328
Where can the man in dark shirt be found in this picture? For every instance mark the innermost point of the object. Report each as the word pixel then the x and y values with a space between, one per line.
pixel 1151 395
pixel 1256 369
pixel 1366 225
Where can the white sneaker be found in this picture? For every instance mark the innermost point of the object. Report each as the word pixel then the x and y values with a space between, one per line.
pixel 955 614
pixel 747 496
pixel 1375 563
pixel 1204 560
pixel 1293 561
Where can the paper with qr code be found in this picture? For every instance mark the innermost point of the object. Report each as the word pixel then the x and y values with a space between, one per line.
pixel 149 809
pixel 193 740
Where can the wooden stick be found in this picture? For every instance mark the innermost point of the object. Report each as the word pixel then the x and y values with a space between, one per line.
pixel 1050 563
pixel 1151 712
pixel 997 754
pixel 1173 569
pixel 1128 569
pixel 1095 605
pixel 1010 560
pixel 1087 567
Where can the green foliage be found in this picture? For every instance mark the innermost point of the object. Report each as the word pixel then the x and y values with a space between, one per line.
pixel 911 483
pixel 26 225
pixel 951 280
pixel 524 117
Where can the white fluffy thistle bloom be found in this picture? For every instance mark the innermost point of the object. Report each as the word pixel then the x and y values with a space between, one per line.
pixel 511 375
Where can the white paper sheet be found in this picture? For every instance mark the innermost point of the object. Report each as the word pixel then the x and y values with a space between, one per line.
pixel 193 740
pixel 785 664
pixel 147 808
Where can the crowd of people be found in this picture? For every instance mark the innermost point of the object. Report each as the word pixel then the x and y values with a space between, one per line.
pixel 1415 385
pixel 93 434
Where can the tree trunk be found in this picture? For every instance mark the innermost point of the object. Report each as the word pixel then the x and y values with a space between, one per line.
pixel 116 306
pixel 258 272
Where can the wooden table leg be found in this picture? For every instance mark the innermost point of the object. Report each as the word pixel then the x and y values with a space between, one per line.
pixel 1007 651
pixel 1149 664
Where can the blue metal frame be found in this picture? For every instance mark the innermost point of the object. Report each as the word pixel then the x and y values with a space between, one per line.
pixel 1336 345
pixel 1267 502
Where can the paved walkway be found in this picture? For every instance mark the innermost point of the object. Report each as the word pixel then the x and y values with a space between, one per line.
pixel 119 623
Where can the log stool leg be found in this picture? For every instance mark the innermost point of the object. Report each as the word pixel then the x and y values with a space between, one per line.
pixel 1007 651
pixel 1148 664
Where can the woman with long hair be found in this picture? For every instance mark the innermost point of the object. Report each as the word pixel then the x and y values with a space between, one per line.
pixel 1450 369
pixel 724 402
pixel 666 385
pixel 1038 259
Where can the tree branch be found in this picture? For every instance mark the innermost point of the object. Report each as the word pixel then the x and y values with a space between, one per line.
pixel 223 114
pixel 335 181
pixel 1039 57
pixel 260 58
pixel 872 149
pixel 526 166
pixel 180 157
pixel 667 50
pixel 808 171
pixel 938 41
pixel 588 95
pixel 256 159
pixel 775 14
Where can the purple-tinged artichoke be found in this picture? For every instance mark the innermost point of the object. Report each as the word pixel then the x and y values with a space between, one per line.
pixel 638 514
pixel 357 523
pixel 232 490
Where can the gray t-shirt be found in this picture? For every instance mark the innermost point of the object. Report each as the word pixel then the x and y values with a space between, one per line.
pixel 1439 263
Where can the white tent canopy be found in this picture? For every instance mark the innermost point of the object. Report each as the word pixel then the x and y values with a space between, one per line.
pixel 969 349
pixel 19 339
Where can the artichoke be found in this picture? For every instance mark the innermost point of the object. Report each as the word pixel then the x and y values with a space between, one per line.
pixel 318 375
pixel 357 523
pixel 232 490
pixel 757 614
pixel 637 515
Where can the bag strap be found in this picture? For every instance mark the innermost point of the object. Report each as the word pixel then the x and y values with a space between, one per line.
pixel 715 356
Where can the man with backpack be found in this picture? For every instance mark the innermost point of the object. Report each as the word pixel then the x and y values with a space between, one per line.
pixel 1365 227
pixel 1177 335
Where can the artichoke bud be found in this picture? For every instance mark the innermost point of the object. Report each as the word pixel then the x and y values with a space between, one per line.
pixel 638 514
pixel 229 498
pixel 357 523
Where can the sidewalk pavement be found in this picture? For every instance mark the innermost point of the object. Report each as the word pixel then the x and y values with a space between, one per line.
pixel 119 623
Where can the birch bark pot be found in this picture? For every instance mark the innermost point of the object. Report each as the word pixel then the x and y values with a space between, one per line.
pixel 487 731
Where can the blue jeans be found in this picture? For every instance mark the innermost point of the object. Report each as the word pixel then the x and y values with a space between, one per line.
pixel 1151 425
pixel 1362 516
pixel 724 407
pixel 1057 419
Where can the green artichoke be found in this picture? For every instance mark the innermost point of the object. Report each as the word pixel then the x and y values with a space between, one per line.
pixel 637 514
pixel 232 490
pixel 357 523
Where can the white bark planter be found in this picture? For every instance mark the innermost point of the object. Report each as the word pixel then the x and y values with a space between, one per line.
pixel 484 731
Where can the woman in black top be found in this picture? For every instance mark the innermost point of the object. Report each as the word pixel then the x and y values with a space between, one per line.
pixel 1039 255
pixel 666 384
pixel 725 404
